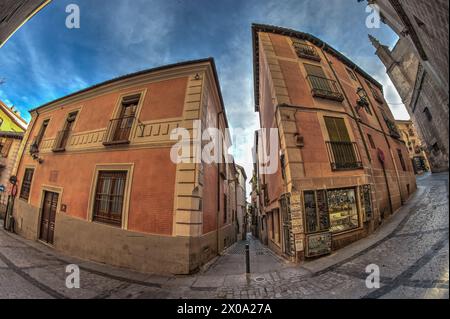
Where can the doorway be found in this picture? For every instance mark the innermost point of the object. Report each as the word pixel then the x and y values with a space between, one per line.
pixel 49 207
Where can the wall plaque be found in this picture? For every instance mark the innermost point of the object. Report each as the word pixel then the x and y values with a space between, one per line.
pixel 299 244
pixel 318 244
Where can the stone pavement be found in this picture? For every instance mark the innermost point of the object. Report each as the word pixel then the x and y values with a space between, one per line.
pixel 411 249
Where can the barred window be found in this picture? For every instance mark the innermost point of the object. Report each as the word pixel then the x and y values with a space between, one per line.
pixel 109 197
pixel 26 183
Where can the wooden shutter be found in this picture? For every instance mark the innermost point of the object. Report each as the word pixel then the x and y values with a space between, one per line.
pixel 314 70
pixel 42 132
pixel 337 131
pixel 6 146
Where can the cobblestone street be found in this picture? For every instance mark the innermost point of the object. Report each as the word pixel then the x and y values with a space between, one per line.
pixel 411 249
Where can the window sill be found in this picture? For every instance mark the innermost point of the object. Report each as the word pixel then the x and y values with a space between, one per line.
pixel 309 56
pixel 358 167
pixel 334 96
pixel 59 150
pixel 112 143
pixel 115 226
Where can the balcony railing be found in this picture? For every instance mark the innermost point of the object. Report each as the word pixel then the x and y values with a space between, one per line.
pixel 393 130
pixel 325 88
pixel 306 51
pixel 344 156
pixel 119 131
pixel 61 141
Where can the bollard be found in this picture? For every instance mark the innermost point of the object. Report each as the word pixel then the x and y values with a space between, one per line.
pixel 247 258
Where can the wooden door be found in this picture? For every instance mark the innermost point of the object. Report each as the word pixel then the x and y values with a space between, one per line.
pixel 48 217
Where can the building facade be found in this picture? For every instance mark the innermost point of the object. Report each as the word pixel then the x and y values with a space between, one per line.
pixel 416 149
pixel 14 13
pixel 241 202
pixel 342 165
pixel 96 178
pixel 258 222
pixel 12 128
pixel 418 67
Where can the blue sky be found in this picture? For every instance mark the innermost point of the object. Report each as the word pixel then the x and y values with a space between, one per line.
pixel 44 60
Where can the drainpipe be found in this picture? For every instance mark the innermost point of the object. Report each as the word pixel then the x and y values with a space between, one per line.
pixel 236 203
pixel 218 190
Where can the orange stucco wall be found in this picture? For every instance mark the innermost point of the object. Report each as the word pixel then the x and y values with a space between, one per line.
pixel 153 182
pixel 309 116
pixel 151 199
pixel 164 99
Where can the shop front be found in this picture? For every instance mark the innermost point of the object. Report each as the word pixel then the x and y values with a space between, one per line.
pixel 333 213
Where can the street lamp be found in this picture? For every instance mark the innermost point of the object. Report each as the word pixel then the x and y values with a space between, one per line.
pixel 363 99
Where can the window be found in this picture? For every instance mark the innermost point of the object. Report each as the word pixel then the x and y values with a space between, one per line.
pixel 316 211
pixel 375 93
pixel 372 143
pixel 5 146
pixel 41 133
pixel 351 74
pixel 26 183
pixel 63 136
pixel 120 128
pixel 343 210
pixel 342 151
pixel 109 197
pixel 306 51
pixel 331 210
pixel 402 161
pixel 321 86
pixel 428 114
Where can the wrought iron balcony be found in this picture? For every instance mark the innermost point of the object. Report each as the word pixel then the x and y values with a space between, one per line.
pixel 344 156
pixel 306 51
pixel 325 88
pixel 119 131
pixel 393 130
pixel 61 141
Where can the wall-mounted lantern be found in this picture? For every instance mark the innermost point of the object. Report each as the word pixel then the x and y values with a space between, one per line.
pixel 34 152
pixel 363 99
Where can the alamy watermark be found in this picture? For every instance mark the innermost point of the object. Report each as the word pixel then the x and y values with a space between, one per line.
pixel 373 279
pixel 373 20
pixel 73 277
pixel 73 19
pixel 210 146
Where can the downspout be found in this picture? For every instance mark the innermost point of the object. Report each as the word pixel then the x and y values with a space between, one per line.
pixel 218 190
pixel 236 204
